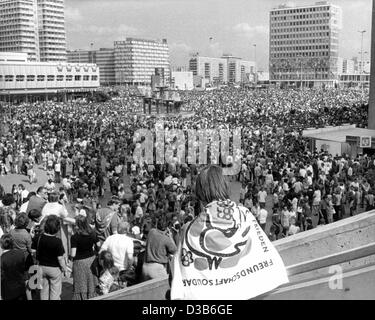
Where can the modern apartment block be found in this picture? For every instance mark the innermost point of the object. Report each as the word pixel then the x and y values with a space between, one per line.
pixel 35 27
pixel 212 70
pixel 227 69
pixel 304 44
pixel 19 27
pixel 52 39
pixel 104 58
pixel 137 59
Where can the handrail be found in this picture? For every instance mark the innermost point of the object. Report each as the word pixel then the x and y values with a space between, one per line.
pixel 336 258
pixel 292 270
pixel 314 264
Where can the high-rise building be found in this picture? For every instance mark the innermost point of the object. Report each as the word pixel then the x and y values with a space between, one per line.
pixel 137 59
pixel 19 27
pixel 304 45
pixel 103 58
pixel 36 27
pixel 52 40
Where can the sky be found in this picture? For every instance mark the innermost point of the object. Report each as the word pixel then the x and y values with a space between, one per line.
pixel 234 26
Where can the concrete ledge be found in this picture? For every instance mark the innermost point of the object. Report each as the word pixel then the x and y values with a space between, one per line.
pixel 323 241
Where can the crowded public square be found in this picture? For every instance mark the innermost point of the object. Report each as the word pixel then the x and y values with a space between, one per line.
pixel 74 197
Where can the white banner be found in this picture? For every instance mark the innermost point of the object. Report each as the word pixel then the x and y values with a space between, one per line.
pixel 225 255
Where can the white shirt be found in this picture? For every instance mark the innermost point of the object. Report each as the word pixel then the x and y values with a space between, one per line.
pixel 263 216
pixel 54 208
pixel 24 206
pixel 262 196
pixel 122 249
pixel 24 194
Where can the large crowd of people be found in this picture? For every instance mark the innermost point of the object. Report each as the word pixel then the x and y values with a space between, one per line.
pixel 115 222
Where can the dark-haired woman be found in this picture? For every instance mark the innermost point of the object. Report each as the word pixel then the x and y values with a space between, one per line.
pixel 22 239
pixel 50 254
pixel 83 253
pixel 223 241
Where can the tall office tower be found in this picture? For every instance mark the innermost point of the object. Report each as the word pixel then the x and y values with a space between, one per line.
pixel 19 27
pixel 303 48
pixel 35 27
pixel 52 41
pixel 137 59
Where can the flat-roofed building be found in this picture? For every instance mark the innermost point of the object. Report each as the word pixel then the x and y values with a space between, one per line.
pixel 137 59
pixel 304 43
pixel 28 78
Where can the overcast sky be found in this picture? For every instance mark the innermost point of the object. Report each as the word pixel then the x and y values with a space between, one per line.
pixel 233 25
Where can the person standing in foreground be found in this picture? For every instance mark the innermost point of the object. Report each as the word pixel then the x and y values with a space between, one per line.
pixel 159 247
pixel 83 253
pixel 50 254
pixel 223 254
pixel 122 248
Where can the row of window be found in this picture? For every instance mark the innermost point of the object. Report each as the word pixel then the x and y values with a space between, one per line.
pixel 298 77
pixel 297 48
pixel 300 23
pixel 304 41
pixel 297 54
pixel 299 29
pixel 39 78
pixel 299 10
pixel 302 35
pixel 302 16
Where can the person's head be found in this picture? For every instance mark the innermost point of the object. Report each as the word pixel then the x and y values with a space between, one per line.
pixel 8 200
pixel 42 192
pixel 82 225
pixel 21 221
pixel 52 225
pixel 34 215
pixel 162 224
pixel 6 242
pixel 211 185
pixel 106 260
pixel 21 186
pixel 53 197
pixel 123 228
pixel 114 203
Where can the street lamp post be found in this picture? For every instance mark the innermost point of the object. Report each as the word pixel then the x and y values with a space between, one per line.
pixel 255 64
pixel 361 71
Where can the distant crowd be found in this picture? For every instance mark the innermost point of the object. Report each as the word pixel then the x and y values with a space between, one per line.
pixel 113 222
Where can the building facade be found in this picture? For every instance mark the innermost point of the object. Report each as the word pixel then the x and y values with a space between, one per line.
pixel 212 70
pixel 137 59
pixel 52 38
pixel 19 27
pixel 182 80
pixel 304 45
pixel 30 78
pixel 36 27
pixel 227 69
pixel 104 58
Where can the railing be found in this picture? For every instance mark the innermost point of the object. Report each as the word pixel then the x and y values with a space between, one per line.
pixel 161 285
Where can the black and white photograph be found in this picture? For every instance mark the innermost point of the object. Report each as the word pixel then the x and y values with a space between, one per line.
pixel 187 154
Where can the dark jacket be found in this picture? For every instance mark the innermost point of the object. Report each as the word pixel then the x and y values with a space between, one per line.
pixel 12 275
